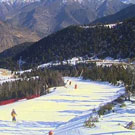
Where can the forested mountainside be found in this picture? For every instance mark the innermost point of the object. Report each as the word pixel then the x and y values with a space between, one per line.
pixel 15 50
pixel 100 41
pixel 30 20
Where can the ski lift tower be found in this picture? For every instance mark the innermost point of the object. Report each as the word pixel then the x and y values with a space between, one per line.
pixel 20 63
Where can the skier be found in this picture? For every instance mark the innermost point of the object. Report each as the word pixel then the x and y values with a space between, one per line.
pixel 51 132
pixel 13 114
pixel 128 94
pixel 75 86
pixel 70 83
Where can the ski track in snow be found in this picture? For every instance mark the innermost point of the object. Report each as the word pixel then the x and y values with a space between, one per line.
pixel 111 124
pixel 55 110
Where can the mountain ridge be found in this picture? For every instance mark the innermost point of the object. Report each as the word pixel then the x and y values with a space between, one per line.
pixel 64 1
pixel 120 16
pixel 11 35
pixel 78 41
pixel 46 17
pixel 13 2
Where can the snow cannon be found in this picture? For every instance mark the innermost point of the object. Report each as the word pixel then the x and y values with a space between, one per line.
pixel 51 132
pixel 75 86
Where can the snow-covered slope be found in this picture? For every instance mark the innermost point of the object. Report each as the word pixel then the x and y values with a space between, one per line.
pixel 5 75
pixel 111 124
pixel 38 116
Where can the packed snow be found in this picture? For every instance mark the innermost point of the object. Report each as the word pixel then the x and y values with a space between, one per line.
pixel 113 123
pixel 64 110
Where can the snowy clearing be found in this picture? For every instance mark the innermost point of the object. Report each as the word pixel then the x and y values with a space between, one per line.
pixel 64 110
pixel 5 74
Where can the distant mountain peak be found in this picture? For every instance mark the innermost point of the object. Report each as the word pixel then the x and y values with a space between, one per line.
pixel 81 1
pixel 128 1
pixel 18 1
pixel 64 1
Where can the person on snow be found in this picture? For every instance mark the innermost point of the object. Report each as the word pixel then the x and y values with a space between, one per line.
pixel 75 86
pixel 127 95
pixel 70 83
pixel 51 132
pixel 13 114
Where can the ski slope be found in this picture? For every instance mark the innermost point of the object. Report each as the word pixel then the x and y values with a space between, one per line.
pixel 63 106
pixel 113 123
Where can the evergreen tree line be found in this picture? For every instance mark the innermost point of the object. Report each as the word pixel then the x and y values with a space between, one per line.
pixel 112 74
pixel 36 82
